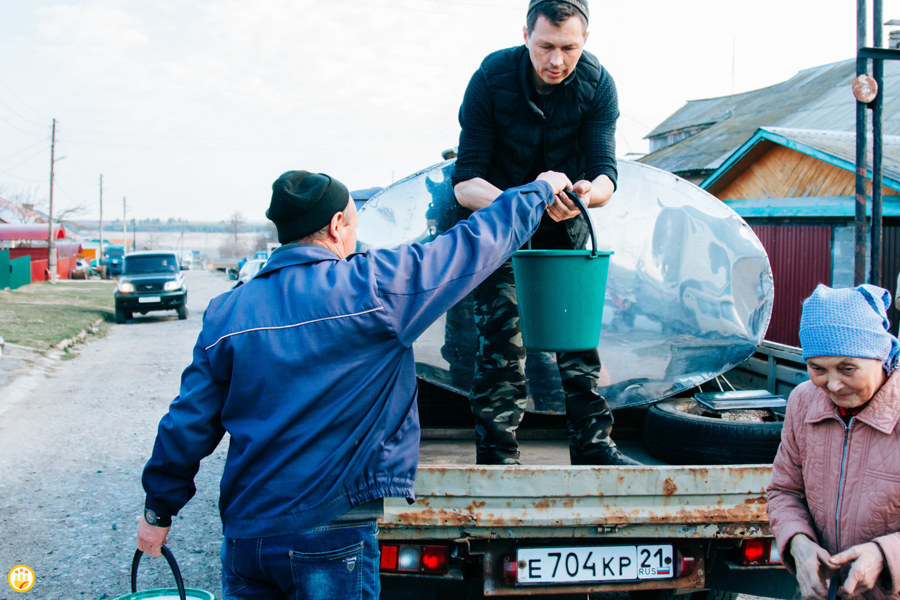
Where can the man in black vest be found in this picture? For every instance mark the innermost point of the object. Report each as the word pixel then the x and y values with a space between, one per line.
pixel 545 105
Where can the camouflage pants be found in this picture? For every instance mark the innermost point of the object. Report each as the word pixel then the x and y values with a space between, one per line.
pixel 498 391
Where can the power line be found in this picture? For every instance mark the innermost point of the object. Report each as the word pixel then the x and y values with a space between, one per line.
pixel 25 149
pixel 16 127
pixel 25 160
pixel 20 177
pixel 27 122
pixel 36 125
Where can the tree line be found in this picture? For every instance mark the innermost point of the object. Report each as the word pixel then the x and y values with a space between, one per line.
pixel 176 225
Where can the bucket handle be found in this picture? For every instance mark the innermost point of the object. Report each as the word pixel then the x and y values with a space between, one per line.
pixel 584 213
pixel 170 558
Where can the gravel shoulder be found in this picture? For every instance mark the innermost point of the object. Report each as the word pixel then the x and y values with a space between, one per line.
pixel 74 437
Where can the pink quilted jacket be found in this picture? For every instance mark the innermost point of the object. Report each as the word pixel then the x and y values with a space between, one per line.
pixel 840 484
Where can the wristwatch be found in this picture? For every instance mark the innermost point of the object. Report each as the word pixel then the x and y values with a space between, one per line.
pixel 157 520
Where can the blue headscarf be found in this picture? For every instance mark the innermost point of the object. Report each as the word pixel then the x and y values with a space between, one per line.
pixel 848 322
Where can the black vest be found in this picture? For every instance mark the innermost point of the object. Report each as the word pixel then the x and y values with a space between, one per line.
pixel 523 130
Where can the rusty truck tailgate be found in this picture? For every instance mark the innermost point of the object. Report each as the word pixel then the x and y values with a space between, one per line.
pixel 456 501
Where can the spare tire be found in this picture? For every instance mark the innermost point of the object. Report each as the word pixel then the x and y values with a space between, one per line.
pixel 682 431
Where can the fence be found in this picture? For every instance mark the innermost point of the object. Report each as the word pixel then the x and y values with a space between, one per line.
pixel 14 273
pixel 38 263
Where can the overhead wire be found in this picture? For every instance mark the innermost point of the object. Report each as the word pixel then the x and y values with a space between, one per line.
pixel 25 160
pixel 13 94
pixel 19 177
pixel 16 127
pixel 25 149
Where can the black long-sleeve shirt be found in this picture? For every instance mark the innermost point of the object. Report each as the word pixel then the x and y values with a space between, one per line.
pixel 478 141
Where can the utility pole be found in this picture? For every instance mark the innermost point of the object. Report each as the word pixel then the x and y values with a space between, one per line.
pixel 100 258
pixel 869 92
pixel 124 227
pixel 51 246
pixel 876 106
pixel 860 231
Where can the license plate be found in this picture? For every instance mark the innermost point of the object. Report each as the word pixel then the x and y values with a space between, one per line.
pixel 149 299
pixel 580 564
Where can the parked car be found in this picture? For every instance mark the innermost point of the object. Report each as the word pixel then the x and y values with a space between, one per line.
pixel 360 197
pixel 249 270
pixel 113 261
pixel 150 281
pixel 82 269
pixel 187 260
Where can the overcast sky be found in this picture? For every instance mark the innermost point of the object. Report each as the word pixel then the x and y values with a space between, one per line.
pixel 191 109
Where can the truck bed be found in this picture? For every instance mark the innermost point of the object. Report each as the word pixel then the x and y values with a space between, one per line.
pixel 485 513
pixel 546 496
pixel 461 452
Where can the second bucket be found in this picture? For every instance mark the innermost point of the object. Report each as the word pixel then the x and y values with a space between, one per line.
pixel 561 294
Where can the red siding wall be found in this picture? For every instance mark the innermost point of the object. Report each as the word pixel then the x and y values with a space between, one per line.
pixel 38 269
pixel 890 267
pixel 800 256
pixel 64 265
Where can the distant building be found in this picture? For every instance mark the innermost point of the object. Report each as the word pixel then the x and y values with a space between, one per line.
pixel 698 138
pixel 24 233
pixel 13 214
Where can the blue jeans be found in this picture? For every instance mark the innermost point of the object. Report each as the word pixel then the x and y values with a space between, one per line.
pixel 335 561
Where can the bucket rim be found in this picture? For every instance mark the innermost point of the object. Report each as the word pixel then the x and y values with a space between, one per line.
pixel 562 252
pixel 154 593
pixel 168 592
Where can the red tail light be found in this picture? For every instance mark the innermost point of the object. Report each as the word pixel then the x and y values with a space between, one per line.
pixel 406 558
pixel 435 559
pixel 684 565
pixel 760 552
pixel 388 558
pixel 510 570
pixel 754 552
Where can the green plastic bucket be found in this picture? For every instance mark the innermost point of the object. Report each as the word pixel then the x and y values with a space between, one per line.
pixel 561 295
pixel 176 593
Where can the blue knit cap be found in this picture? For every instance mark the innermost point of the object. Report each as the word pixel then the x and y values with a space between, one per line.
pixel 848 322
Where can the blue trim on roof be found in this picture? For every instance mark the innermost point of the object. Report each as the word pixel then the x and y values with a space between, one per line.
pixel 734 158
pixel 809 207
pixel 763 134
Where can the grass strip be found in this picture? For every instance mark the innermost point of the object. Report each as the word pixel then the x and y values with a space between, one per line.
pixel 41 315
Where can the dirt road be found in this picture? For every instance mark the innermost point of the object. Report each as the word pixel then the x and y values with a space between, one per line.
pixel 74 436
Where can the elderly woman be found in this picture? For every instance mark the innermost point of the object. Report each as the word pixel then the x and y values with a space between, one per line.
pixel 834 499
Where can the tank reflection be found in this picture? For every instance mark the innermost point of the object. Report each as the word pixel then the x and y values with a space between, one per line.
pixel 689 293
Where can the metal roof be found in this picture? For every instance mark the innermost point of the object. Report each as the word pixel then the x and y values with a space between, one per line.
pixel 819 98
pixel 29 232
pixel 13 213
pixel 837 148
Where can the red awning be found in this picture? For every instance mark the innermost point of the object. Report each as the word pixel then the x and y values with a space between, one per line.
pixel 31 232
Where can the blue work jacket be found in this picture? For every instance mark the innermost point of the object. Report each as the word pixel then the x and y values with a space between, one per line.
pixel 309 367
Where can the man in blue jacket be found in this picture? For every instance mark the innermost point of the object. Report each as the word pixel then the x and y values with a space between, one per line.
pixel 309 367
